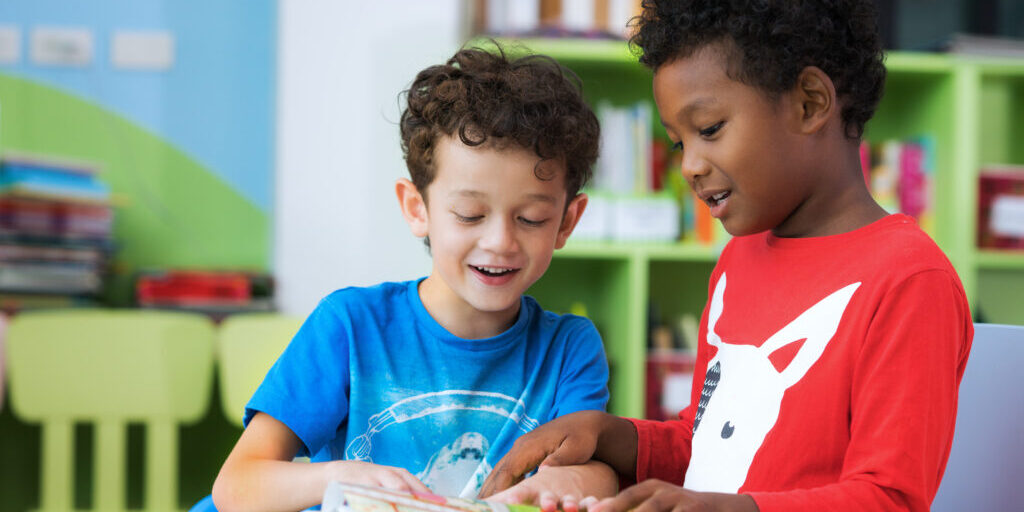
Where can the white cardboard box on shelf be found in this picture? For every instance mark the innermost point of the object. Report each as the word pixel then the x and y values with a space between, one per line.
pixel 654 219
pixel 595 224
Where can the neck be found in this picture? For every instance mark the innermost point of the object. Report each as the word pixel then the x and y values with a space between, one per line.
pixel 840 203
pixel 459 317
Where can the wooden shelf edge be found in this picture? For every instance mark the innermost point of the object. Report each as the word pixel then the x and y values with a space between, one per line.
pixel 993 259
pixel 653 251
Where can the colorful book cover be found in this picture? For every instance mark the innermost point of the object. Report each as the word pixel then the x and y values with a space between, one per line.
pixel 341 497
pixel 54 217
pixel 52 187
pixel 1001 229
pixel 24 160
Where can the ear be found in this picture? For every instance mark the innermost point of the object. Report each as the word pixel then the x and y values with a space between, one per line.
pixel 414 207
pixel 815 95
pixel 573 212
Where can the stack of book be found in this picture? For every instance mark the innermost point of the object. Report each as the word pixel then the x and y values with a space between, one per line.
pixel 629 200
pixel 55 231
pixel 900 175
pixel 1001 207
pixel 553 18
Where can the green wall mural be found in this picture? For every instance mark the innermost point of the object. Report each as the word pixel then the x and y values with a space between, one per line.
pixel 170 211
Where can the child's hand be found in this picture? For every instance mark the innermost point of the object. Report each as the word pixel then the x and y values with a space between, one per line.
pixel 562 487
pixel 658 496
pixel 572 439
pixel 376 475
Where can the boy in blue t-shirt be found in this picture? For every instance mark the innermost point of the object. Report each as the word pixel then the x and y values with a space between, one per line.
pixel 427 383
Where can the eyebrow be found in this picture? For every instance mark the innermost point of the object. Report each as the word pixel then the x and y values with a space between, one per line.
pixel 476 194
pixel 694 106
pixel 699 104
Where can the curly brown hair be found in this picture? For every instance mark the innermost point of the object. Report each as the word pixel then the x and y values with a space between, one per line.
pixel 775 40
pixel 531 101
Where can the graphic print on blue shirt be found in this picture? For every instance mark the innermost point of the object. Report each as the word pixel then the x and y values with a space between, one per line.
pixel 371 376
pixel 463 459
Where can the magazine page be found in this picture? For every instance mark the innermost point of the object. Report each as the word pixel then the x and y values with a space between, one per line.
pixel 341 497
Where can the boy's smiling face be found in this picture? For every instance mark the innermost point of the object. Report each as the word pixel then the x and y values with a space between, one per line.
pixel 493 226
pixel 741 149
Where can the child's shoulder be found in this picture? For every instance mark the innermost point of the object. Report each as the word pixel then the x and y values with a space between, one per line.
pixel 901 243
pixel 571 323
pixel 895 240
pixel 381 295
pixel 886 252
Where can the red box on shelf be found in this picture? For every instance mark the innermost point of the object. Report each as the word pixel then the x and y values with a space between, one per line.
pixel 669 380
pixel 1001 207
pixel 193 287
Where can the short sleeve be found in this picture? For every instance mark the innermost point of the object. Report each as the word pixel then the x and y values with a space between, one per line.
pixel 307 388
pixel 583 382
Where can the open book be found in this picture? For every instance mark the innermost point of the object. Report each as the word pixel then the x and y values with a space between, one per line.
pixel 341 497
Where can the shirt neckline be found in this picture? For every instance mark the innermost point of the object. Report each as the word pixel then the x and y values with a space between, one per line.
pixel 428 323
pixel 816 242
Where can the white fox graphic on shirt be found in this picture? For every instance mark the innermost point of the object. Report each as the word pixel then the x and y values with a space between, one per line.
pixel 743 391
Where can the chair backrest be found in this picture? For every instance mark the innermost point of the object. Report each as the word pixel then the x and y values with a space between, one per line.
pixel 3 351
pixel 110 367
pixel 986 465
pixel 248 345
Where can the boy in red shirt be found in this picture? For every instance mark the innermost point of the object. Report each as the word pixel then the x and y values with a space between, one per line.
pixel 836 334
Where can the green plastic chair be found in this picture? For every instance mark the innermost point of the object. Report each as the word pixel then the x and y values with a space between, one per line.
pixel 110 368
pixel 248 345
pixel 3 380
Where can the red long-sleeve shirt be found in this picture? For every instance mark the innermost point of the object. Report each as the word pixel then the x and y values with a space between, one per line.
pixel 830 372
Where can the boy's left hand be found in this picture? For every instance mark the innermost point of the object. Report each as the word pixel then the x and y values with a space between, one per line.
pixel 554 487
pixel 659 496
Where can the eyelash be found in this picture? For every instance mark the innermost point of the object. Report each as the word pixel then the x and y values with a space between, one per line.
pixel 704 132
pixel 470 220
pixel 711 130
pixel 532 223
pixel 467 220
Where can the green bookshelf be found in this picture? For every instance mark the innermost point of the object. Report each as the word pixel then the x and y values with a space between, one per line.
pixel 973 109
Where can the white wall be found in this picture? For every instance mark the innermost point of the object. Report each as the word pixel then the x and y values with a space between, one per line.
pixel 341 66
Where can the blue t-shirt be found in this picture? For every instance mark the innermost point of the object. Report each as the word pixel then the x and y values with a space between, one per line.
pixel 372 376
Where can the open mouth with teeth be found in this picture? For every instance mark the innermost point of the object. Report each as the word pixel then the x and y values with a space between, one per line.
pixel 494 271
pixel 718 198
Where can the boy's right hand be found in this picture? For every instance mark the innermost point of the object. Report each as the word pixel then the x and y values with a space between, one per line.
pixel 374 475
pixel 569 440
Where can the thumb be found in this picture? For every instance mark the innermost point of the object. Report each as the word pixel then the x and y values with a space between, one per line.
pixel 500 479
pixel 511 469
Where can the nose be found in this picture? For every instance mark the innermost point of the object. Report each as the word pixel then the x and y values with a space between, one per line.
pixel 499 237
pixel 693 165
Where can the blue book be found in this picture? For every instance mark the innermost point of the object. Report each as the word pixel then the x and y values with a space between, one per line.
pixel 47 182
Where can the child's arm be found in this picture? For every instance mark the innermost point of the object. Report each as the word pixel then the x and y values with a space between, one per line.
pixel 259 473
pixel 571 439
pixel 562 487
pixel 659 496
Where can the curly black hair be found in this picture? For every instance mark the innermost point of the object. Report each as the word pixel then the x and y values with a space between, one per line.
pixel 775 40
pixel 480 96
